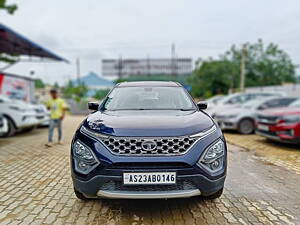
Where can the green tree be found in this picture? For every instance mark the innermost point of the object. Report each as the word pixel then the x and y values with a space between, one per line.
pixel 56 85
pixel 100 94
pixel 38 83
pixel 10 8
pixel 213 77
pixel 76 92
pixel 264 66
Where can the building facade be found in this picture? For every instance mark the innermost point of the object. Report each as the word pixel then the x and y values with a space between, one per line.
pixel 17 87
pixel 127 67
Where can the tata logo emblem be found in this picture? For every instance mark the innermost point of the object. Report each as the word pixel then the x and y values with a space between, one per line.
pixel 149 145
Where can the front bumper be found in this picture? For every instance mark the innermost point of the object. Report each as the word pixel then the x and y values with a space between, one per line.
pixel 44 120
pixel 274 137
pixel 112 187
pixel 25 119
pixel 148 195
pixel 106 180
pixel 28 121
pixel 227 124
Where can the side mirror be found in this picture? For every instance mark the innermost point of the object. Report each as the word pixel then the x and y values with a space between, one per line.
pixel 93 106
pixel 202 105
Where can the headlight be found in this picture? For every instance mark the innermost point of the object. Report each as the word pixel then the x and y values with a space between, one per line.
pixel 230 116
pixel 213 158
pixel 16 108
pixel 89 132
pixel 290 119
pixel 203 134
pixel 85 160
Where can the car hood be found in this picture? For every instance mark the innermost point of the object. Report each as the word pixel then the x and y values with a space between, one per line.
pixel 148 122
pixel 282 111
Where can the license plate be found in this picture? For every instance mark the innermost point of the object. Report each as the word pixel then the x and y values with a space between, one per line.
pixel 150 178
pixel 263 127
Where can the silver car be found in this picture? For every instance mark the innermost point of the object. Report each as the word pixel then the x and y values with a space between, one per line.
pixel 237 99
pixel 242 118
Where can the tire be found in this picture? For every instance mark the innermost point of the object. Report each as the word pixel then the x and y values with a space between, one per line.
pixel 11 128
pixel 80 196
pixel 215 195
pixel 246 126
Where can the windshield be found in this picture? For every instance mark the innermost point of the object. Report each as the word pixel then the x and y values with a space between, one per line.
pixel 230 99
pixel 296 103
pixel 148 98
pixel 215 99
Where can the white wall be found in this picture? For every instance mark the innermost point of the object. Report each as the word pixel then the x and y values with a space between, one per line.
pixel 288 89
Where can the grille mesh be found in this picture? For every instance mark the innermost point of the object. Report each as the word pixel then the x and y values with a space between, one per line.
pixel 267 119
pixel 118 186
pixel 164 146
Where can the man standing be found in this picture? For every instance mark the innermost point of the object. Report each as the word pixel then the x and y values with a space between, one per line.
pixel 57 107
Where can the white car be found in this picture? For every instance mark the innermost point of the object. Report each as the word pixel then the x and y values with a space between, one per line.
pixel 19 115
pixel 42 114
pixel 235 100
pixel 242 118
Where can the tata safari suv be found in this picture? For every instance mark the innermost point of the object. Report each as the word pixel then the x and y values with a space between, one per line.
pixel 148 140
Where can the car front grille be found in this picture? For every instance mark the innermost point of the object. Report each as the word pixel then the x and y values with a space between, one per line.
pixel 118 186
pixel 136 146
pixel 267 119
pixel 149 165
pixel 269 133
pixel 39 110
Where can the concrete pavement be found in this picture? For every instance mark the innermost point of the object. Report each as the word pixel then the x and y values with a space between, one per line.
pixel 36 188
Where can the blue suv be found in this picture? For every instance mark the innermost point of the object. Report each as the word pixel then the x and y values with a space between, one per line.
pixel 148 140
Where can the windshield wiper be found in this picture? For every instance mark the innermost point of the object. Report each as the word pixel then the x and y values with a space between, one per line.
pixel 150 109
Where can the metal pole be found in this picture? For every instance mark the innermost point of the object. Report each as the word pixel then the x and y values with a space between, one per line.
pixel 78 70
pixel 173 59
pixel 242 75
pixel 148 66
pixel 120 65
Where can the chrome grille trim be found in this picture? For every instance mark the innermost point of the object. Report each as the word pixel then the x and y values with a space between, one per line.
pixel 133 145
pixel 166 146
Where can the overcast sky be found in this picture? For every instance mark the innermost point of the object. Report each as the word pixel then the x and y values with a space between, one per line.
pixel 97 29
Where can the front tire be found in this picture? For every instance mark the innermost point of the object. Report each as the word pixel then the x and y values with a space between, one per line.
pixel 246 126
pixel 11 128
pixel 80 196
pixel 215 195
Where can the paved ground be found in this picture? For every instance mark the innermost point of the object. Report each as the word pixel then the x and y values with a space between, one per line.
pixel 276 153
pixel 35 187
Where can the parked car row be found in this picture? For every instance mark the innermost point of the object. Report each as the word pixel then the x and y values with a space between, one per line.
pixel 271 115
pixel 18 115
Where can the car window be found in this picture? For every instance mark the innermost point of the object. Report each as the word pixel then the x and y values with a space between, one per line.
pixel 276 103
pixel 149 98
pixel 295 103
pixel 235 100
